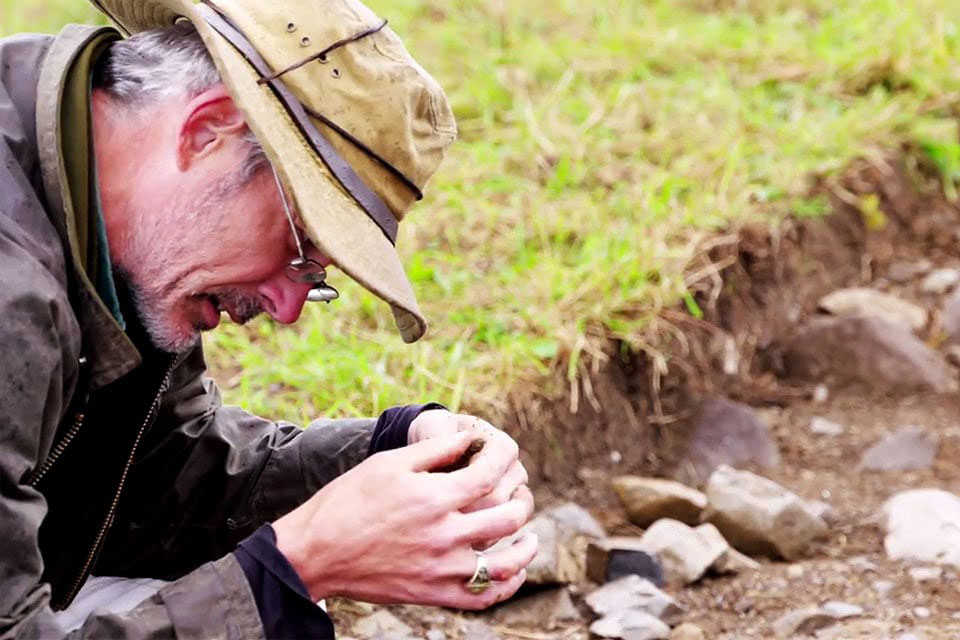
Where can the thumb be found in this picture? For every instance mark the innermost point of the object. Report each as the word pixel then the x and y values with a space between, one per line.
pixel 435 452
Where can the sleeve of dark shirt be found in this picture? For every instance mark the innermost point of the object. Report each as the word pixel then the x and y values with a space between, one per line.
pixel 285 607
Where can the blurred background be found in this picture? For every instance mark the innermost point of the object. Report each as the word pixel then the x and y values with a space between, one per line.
pixel 645 195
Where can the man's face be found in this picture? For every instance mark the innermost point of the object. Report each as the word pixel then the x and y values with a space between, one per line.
pixel 201 238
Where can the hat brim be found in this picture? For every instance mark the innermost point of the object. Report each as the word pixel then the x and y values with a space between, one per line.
pixel 334 222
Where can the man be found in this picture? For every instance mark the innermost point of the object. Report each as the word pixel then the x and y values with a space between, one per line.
pixel 220 159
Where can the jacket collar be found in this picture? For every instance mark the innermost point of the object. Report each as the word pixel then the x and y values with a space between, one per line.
pixel 108 350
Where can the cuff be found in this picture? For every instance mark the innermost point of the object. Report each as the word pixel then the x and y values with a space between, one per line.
pixel 283 602
pixel 394 424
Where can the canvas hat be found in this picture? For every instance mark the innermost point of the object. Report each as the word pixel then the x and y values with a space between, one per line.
pixel 354 126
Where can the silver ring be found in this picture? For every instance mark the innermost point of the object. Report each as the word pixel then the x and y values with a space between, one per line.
pixel 480 581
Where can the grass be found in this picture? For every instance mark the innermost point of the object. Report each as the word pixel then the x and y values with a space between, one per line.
pixel 600 143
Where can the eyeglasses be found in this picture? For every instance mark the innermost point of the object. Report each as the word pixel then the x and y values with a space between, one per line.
pixel 302 269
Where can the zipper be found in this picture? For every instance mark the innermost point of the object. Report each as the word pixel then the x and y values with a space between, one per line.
pixel 67 438
pixel 101 534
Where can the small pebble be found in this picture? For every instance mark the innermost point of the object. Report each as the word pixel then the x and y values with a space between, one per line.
pixel 795 571
pixel 436 634
pixel 921 612
pixel 823 427
pixel 940 281
pixel 821 393
pixel 839 609
pixel 883 587
pixel 923 574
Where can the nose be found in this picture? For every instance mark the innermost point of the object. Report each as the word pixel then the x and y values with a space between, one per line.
pixel 283 297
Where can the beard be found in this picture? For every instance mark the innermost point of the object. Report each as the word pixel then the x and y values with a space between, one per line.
pixel 160 243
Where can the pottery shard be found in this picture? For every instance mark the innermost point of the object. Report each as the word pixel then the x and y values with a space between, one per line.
pixel 684 552
pixel 866 352
pixel 726 432
pixel 564 532
pixel 758 516
pixel 646 500
pixel 860 301
pixel 923 525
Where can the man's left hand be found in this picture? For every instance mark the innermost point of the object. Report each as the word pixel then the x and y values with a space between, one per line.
pixel 499 446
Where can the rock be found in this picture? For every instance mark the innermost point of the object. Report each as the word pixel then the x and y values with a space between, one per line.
pixel 940 281
pixel 758 516
pixel 684 552
pixel 856 630
pixel 910 448
pixel 633 592
pixel 382 625
pixel 868 353
pixel 726 432
pixel 619 556
pixel 646 500
pixel 950 318
pixel 925 574
pixel 883 587
pixel 733 562
pixel 630 624
pixel 921 612
pixel 952 354
pixel 795 571
pixel 860 301
pixel 901 272
pixel 840 610
pixel 564 532
pixel 801 622
pixel 823 427
pixel 436 634
pixel 923 525
pixel 821 393
pixel 542 610
pixel 479 630
pixel 688 631
pixel 823 510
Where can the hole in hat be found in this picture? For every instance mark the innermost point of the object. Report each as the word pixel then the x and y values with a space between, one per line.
pixel 291 27
pixel 323 59
pixel 304 41
pixel 335 73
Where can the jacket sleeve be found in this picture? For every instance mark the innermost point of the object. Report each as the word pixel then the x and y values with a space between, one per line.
pixel 208 475
pixel 35 382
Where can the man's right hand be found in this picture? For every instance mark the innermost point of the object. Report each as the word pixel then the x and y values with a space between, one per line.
pixel 390 531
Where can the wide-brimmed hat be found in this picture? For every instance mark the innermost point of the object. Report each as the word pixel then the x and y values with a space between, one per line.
pixel 354 126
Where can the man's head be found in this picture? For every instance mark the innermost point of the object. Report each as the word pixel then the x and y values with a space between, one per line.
pixel 351 124
pixel 194 216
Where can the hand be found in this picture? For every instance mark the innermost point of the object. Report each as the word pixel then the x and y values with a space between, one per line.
pixel 498 448
pixel 390 531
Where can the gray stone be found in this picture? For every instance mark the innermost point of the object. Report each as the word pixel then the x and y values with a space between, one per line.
pixel 950 318
pixel 618 556
pixel 869 353
pixel 630 624
pixel 823 427
pixel 687 631
pixel 923 526
pixel 646 500
pixel 910 448
pixel 940 281
pixel 758 516
pixel 901 272
pixel 684 552
pixel 633 592
pixel 861 301
pixel 564 532
pixel 382 625
pixel 542 610
pixel 801 622
pixel 726 432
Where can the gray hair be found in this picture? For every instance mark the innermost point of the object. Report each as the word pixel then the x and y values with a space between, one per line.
pixel 157 64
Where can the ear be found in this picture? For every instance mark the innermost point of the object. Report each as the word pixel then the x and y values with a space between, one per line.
pixel 211 119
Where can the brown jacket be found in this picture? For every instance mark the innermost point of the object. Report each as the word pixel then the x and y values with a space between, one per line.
pixel 115 458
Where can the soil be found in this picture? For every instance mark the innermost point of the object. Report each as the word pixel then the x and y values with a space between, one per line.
pixel 767 283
